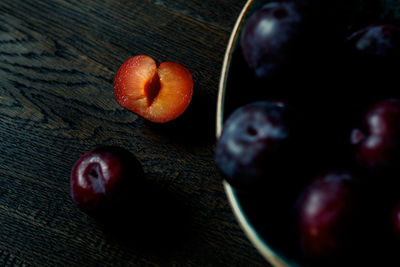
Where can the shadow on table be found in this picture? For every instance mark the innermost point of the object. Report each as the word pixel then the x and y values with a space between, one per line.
pixel 153 221
pixel 195 126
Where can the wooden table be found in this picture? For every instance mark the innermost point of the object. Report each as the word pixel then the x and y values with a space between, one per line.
pixel 57 63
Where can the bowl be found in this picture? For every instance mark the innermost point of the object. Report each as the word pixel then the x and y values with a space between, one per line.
pixel 233 59
pixel 236 75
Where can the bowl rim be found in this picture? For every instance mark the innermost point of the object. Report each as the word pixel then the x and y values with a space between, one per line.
pixel 257 241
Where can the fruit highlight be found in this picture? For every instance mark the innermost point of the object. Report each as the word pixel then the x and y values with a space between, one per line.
pixel 104 178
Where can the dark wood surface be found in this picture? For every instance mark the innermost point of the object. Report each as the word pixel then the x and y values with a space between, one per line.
pixel 57 63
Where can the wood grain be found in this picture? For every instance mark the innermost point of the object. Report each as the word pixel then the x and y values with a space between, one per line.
pixel 57 63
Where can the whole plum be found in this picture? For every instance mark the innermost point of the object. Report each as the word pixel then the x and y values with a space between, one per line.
pixel 269 36
pixel 377 40
pixel 328 215
pixel 372 55
pixel 254 144
pixel 377 146
pixel 104 178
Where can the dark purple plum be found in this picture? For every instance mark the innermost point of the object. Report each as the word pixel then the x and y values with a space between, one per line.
pixel 104 178
pixel 254 143
pixel 377 146
pixel 269 36
pixel 328 216
pixel 372 55
pixel 377 40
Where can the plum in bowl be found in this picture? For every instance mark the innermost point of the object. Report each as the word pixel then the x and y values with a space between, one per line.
pixel 306 170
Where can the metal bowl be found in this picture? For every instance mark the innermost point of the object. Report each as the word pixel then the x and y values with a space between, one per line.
pixel 240 214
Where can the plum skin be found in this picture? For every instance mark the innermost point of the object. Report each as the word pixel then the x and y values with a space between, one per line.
pixel 253 144
pixel 377 147
pixel 328 215
pixel 377 40
pixel 268 36
pixel 104 178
